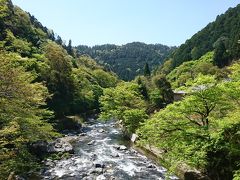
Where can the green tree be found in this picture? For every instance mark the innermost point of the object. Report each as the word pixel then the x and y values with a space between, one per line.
pixel 164 86
pixel 22 118
pixel 142 88
pixel 221 57
pixel 6 8
pixel 123 103
pixel 147 71
pixel 59 40
pixel 70 48
pixel 105 79
pixel 59 78
pixel 201 130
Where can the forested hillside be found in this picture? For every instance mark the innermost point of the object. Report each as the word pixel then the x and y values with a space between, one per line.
pixel 40 84
pixel 189 108
pixel 128 61
pixel 223 35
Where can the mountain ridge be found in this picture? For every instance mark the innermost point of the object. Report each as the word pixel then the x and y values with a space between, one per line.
pixel 127 60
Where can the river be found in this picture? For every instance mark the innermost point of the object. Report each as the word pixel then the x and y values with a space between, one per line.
pixel 102 153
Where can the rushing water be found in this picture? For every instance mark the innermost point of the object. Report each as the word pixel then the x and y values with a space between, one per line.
pixel 103 153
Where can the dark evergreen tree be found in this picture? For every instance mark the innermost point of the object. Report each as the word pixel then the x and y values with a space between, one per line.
pixel 142 88
pixel 147 71
pixel 165 87
pixel 221 57
pixel 59 40
pixel 70 48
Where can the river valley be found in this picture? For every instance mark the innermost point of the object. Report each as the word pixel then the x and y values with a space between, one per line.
pixel 102 152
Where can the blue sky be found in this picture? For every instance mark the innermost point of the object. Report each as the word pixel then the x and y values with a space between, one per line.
pixel 95 22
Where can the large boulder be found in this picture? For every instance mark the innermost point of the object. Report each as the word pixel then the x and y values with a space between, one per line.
pixel 194 175
pixel 39 148
pixel 60 145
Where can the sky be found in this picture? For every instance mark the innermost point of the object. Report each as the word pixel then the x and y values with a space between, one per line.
pixel 96 22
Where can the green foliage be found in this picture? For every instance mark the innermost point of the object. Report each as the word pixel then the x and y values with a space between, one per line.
pixel 38 74
pixel 70 48
pixel 164 86
pixel 225 25
pixel 221 56
pixel 17 45
pixel 127 61
pixel 105 79
pixel 156 98
pixel 202 130
pixel 190 70
pixel 123 103
pixel 147 71
pixel 22 120
pixel 59 78
pixel 133 118
pixel 142 88
pixel 84 92
pixel 89 81
pixel 4 9
pixel 236 175
pixel 235 71
pixel 165 68
pixel 88 62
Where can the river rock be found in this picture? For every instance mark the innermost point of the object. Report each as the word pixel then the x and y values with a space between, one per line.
pixel 89 178
pixel 101 130
pixel 122 147
pixel 60 145
pixel 101 177
pixel 82 134
pixel 134 138
pixel 115 155
pixel 70 139
pixel 99 165
pixel 39 148
pixel 50 163
pixel 91 142
pixel 93 156
pixel 96 171
pixel 151 166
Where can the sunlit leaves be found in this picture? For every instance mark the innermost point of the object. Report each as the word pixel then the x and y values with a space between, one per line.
pixel 123 103
pixel 22 118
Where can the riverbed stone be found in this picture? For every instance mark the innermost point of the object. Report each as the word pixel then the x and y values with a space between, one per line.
pixel 99 165
pixel 82 134
pixel 97 170
pixel 134 138
pixel 101 130
pixel 93 156
pixel 151 166
pixel 59 145
pixel 91 142
pixel 39 148
pixel 122 147
pixel 115 155
pixel 50 163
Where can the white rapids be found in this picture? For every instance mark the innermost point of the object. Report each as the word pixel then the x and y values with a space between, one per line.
pixel 104 154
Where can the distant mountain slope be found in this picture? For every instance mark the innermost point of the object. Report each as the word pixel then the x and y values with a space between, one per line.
pixel 127 60
pixel 226 28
